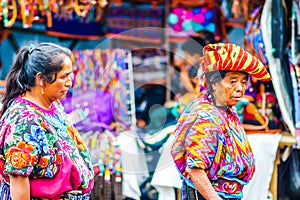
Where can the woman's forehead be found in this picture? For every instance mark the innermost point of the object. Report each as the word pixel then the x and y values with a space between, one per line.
pixel 231 75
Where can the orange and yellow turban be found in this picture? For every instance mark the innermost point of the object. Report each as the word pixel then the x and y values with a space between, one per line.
pixel 231 57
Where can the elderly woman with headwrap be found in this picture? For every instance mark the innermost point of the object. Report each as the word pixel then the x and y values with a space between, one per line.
pixel 211 149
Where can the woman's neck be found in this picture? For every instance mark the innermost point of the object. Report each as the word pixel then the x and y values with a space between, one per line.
pixel 36 97
pixel 223 106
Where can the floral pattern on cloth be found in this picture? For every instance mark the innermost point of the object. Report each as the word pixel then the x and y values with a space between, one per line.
pixel 34 142
pixel 213 139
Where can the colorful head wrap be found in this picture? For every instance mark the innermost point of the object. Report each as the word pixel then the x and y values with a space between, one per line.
pixel 231 57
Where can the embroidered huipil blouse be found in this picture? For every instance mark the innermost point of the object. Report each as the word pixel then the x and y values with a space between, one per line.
pixel 213 139
pixel 35 142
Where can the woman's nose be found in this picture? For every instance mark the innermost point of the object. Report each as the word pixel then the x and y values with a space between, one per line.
pixel 69 82
pixel 239 86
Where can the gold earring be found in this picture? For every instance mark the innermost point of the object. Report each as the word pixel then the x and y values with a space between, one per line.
pixel 42 90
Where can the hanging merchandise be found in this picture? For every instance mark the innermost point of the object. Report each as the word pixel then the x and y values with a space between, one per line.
pixel 239 10
pixel 189 17
pixel 259 110
pixel 295 68
pixel 253 40
pixel 152 62
pixel 131 15
pixel 96 83
pixel 100 89
pixel 280 30
pixel 27 10
pixel 89 16
pixel 106 156
pixel 204 19
pixel 295 77
pixel 293 187
pixel 295 39
pixel 180 20
pixel 8 8
pixel 92 105
pixel 56 13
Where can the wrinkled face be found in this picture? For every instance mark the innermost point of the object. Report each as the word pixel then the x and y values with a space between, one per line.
pixel 59 88
pixel 231 89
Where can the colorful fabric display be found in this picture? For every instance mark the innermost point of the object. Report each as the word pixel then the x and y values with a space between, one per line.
pixel 106 157
pixel 89 26
pixel 88 65
pixel 122 18
pixel 98 80
pixel 253 40
pixel 180 20
pixel 150 61
pixel 185 21
pixel 295 76
pixel 99 87
pixel 91 103
pixel 203 19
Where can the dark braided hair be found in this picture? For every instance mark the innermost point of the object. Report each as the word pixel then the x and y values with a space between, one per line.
pixel 46 58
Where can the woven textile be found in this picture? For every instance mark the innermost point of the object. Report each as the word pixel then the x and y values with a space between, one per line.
pixel 226 56
pixel 212 139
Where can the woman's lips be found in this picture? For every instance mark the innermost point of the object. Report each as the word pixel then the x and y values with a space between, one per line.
pixel 237 98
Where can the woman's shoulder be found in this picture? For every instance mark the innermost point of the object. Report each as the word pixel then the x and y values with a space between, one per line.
pixel 202 105
pixel 17 110
pixel 22 108
pixel 203 109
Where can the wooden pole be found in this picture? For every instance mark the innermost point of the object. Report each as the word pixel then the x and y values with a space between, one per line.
pixel 167 47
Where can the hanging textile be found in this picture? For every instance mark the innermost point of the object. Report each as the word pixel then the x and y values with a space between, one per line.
pixel 150 61
pixel 295 76
pixel 295 36
pixel 97 82
pixel 190 17
pixel 277 70
pixel 295 65
pixel 88 15
pixel 106 155
pixel 279 25
pixel 100 91
pixel 127 16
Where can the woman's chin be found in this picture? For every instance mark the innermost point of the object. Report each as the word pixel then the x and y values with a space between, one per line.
pixel 63 94
pixel 232 103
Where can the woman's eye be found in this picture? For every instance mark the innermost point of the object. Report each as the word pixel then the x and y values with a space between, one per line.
pixel 65 76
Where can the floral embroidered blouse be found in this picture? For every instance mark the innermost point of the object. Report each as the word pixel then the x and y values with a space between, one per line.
pixel 35 142
pixel 213 139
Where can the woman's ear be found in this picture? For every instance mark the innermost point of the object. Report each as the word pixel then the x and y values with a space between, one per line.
pixel 214 86
pixel 39 80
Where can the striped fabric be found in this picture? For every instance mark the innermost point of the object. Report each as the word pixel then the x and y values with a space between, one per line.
pixel 226 56
pixel 212 138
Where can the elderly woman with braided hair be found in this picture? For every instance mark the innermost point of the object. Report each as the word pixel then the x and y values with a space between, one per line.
pixel 42 156
pixel 211 150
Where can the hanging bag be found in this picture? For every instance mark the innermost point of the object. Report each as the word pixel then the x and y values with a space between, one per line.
pixel 97 105
pixel 293 188
pixel 253 40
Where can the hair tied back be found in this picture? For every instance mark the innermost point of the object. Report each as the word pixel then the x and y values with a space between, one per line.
pixel 31 48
